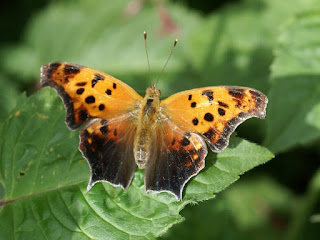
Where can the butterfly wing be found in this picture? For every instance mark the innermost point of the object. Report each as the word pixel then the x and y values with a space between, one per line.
pixel 108 146
pixel 178 155
pixel 88 93
pixel 111 106
pixel 214 112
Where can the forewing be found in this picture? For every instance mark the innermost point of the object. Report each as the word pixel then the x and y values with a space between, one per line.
pixel 177 156
pixel 214 112
pixel 88 93
pixel 108 147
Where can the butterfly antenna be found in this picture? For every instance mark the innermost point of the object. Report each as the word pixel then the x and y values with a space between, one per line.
pixel 145 46
pixel 174 45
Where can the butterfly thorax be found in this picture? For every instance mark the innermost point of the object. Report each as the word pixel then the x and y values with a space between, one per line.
pixel 148 116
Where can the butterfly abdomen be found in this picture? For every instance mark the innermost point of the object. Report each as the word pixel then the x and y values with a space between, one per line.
pixel 148 115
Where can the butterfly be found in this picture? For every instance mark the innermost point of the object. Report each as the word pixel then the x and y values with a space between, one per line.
pixel 123 130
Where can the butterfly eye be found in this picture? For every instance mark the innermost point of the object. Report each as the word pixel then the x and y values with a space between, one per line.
pixel 158 92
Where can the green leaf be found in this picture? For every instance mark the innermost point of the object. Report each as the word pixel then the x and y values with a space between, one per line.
pixel 230 47
pixel 45 177
pixel 234 46
pixel 8 96
pixel 257 207
pixel 293 111
pixel 99 35
pixel 225 167
pixel 35 148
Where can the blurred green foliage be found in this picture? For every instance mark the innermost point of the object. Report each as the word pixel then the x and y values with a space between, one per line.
pixel 269 45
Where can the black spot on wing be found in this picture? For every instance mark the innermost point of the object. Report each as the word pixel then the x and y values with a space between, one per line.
pixel 54 66
pixel 209 95
pixel 90 99
pixel 238 104
pixel 195 121
pixel 208 117
pixel 222 104
pixel 82 115
pixel 209 134
pixel 236 92
pixel 80 91
pixel 46 74
pixel 97 78
pixel 71 69
pixel 81 84
pixel 104 129
pixel 185 141
pixel 101 107
pixel 221 111
pixel 260 103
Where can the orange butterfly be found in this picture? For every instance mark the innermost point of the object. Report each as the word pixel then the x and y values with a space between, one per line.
pixel 166 137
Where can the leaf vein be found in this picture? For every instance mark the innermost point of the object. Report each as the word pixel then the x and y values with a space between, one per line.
pixel 102 217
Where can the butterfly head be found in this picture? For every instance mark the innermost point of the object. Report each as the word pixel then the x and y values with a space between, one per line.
pixel 153 92
pixel 151 102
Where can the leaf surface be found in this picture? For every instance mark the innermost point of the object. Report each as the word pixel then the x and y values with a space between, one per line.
pixel 293 112
pixel 45 177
